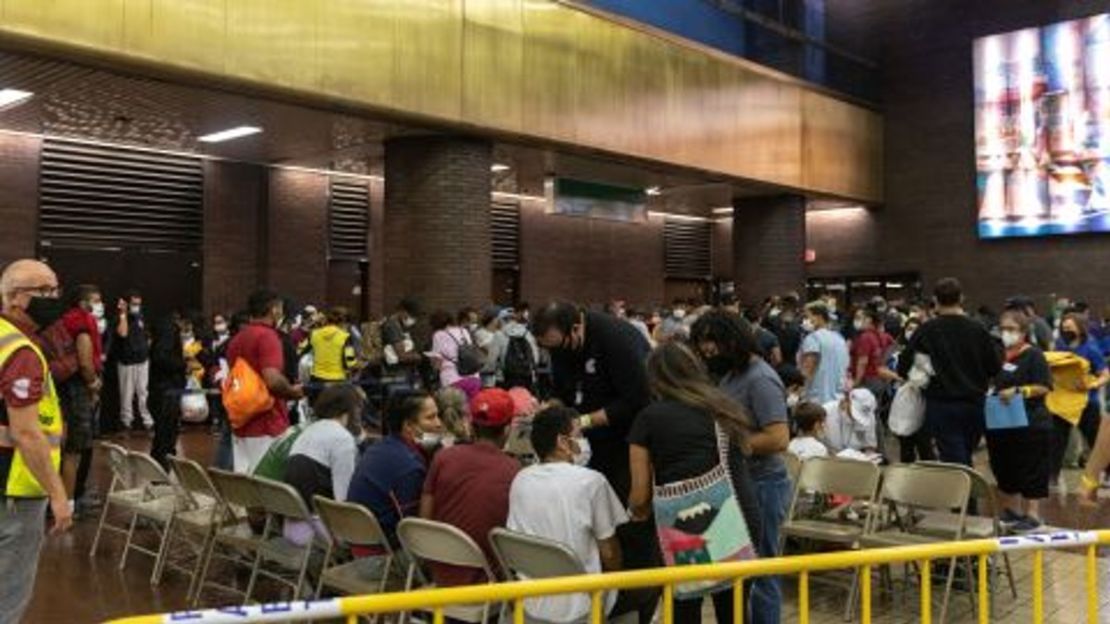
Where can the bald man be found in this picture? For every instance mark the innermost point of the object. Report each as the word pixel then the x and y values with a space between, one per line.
pixel 30 432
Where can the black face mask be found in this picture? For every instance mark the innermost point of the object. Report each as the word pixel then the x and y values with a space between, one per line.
pixel 719 365
pixel 45 311
pixel 1069 336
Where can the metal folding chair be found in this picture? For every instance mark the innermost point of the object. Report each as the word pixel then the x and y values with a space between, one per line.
pixel 908 488
pixel 233 542
pixel 206 512
pixel 122 493
pixel 436 542
pixel 349 524
pixel 281 502
pixel 156 507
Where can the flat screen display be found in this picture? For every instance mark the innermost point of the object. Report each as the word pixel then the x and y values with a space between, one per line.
pixel 1042 130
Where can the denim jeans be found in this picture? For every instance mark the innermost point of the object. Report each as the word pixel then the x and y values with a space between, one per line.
pixel 774 492
pixel 22 524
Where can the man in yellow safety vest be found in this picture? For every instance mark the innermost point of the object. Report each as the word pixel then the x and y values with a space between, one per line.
pixel 30 432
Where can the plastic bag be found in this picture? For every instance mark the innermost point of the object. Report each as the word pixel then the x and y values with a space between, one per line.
pixel 907 411
pixel 194 404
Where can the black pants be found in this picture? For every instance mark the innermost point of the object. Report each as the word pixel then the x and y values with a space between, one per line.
pixel 957 427
pixel 689 611
pixel 165 408
pixel 917 447
pixel 1061 433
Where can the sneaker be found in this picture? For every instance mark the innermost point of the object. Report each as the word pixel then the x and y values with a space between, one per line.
pixel 1009 518
pixel 1028 524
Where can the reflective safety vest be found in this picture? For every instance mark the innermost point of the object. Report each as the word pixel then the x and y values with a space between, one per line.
pixel 21 483
pixel 332 353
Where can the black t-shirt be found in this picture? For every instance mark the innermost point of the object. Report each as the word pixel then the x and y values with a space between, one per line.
pixel 135 347
pixel 767 341
pixel 682 442
pixel 964 355
pixel 1030 368
pixel 790 339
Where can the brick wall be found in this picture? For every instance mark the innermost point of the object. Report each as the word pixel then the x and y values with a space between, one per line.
pixel 844 241
pixel 589 260
pixel 722 249
pixel 928 223
pixel 768 245
pixel 436 222
pixel 234 196
pixel 297 229
pixel 19 196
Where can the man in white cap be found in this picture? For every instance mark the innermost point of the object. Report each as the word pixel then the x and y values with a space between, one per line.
pixel 850 422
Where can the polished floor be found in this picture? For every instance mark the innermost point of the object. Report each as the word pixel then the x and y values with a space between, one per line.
pixel 73 588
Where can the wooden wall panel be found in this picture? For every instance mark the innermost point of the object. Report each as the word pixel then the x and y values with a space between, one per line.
pixel 536 68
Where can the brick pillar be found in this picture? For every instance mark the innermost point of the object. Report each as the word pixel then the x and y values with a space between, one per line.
pixel 19 196
pixel 768 245
pixel 234 196
pixel 437 224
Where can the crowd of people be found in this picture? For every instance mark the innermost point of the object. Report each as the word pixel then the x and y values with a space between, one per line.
pixel 633 423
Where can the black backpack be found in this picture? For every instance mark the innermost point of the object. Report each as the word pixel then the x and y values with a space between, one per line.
pixel 470 358
pixel 520 365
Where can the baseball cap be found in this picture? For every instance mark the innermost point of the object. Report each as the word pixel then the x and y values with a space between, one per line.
pixel 524 404
pixel 863 406
pixel 492 407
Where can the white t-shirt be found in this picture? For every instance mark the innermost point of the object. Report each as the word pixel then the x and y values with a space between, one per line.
pixel 845 431
pixel 806 447
pixel 572 505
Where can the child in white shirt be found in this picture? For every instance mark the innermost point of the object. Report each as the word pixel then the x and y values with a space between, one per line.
pixel 810 418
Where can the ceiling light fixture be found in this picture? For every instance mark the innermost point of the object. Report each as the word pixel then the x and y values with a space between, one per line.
pixel 13 97
pixel 229 134
pixel 653 191
pixel 498 167
pixel 723 211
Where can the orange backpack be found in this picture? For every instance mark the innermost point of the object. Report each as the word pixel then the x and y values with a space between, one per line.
pixel 245 394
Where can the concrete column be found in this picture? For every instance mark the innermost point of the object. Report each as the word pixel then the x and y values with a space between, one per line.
pixel 437 223
pixel 768 244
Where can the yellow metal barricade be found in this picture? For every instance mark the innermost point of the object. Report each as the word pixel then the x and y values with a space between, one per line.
pixel 596 585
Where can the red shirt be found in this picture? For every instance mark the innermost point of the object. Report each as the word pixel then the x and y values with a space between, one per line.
pixel 21 376
pixel 470 484
pixel 77 321
pixel 872 345
pixel 260 346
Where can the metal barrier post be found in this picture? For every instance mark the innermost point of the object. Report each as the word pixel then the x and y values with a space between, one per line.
pixel 1092 583
pixel 518 611
pixel 1038 586
pixel 738 601
pixel 984 591
pixel 803 597
pixel 865 594
pixel 926 591
pixel 596 601
pixel 668 604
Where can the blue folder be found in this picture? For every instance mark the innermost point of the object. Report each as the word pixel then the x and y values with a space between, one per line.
pixel 1006 415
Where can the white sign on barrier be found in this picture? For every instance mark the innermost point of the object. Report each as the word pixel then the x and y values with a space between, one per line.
pixel 1039 541
pixel 272 612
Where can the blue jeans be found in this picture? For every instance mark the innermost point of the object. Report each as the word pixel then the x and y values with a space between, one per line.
pixel 957 427
pixel 22 523
pixel 774 492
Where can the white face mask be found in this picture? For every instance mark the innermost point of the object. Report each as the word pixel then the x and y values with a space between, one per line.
pixel 429 441
pixel 221 328
pixel 582 457
pixel 792 400
pixel 409 322
pixel 774 312
pixel 679 314
pixel 909 335
pixel 858 324
pixel 98 310
pixel 807 325
pixel 101 325
pixel 1010 339
pixel 136 309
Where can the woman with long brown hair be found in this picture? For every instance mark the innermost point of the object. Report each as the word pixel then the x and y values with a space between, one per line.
pixel 688 454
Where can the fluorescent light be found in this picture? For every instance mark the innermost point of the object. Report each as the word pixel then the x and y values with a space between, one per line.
pixel 678 217
pixel 517 196
pixel 653 191
pixel 723 211
pixel 229 134
pixel 13 97
pixel 498 168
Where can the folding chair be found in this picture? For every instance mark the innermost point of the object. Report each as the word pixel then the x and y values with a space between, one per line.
pixel 234 542
pixel 281 502
pixel 206 513
pixel 436 542
pixel 793 465
pixel 156 507
pixel 986 525
pixel 826 477
pixel 122 494
pixel 349 524
pixel 911 487
pixel 528 556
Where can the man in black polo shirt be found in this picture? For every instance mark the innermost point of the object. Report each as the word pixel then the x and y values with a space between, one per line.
pixel 132 350
pixel 964 357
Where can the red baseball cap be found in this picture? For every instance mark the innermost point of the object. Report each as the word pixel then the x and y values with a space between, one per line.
pixel 492 407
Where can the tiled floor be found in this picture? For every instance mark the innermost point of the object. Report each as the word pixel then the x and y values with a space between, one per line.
pixel 74 589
